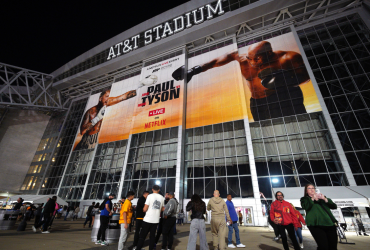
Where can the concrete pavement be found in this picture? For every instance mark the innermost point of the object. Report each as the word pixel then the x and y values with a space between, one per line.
pixel 71 235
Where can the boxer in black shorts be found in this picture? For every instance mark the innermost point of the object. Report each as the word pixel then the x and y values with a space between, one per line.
pixel 273 78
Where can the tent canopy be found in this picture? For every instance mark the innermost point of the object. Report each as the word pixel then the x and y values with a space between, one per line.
pixel 35 199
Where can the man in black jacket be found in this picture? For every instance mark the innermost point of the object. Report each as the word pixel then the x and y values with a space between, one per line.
pixel 48 213
pixel 139 217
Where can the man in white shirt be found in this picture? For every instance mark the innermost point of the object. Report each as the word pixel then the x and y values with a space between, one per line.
pixel 154 204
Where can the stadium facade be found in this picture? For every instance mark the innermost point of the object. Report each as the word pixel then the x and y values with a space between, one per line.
pixel 246 97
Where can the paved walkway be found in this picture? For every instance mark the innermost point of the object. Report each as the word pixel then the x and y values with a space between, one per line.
pixel 71 235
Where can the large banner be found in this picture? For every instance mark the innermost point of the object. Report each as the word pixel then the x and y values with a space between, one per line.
pixel 276 80
pixel 267 77
pixel 215 88
pixel 151 101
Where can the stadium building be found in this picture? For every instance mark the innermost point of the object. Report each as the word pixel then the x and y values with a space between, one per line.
pixel 247 97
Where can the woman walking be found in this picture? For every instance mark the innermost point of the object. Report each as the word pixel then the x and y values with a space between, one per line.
pixel 301 221
pixel 320 221
pixel 198 209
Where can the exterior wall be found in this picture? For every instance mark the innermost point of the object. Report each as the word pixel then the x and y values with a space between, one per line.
pixel 20 134
pixel 88 175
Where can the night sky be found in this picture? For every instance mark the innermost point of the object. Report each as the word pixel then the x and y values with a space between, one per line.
pixel 45 35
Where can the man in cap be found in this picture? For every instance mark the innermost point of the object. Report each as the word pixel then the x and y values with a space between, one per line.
pixel 169 215
pixel 104 220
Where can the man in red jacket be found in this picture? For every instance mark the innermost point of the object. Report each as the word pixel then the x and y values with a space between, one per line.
pixel 282 214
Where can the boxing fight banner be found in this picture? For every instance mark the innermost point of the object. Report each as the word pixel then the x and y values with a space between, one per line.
pixel 275 79
pixel 151 101
pixel 215 88
pixel 87 135
pixel 268 77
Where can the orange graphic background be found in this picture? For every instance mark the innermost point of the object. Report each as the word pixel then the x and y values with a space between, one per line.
pixel 215 96
pixel 118 118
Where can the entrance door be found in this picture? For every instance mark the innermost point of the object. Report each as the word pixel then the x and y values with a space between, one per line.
pixel 248 216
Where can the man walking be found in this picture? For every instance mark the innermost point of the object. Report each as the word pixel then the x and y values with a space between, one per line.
pixel 125 218
pixel 218 224
pixel 48 213
pixel 234 226
pixel 282 214
pixel 88 215
pixel 153 207
pixel 104 220
pixel 169 216
pixel 140 214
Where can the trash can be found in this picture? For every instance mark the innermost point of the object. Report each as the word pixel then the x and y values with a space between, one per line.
pixel 8 219
pixel 113 231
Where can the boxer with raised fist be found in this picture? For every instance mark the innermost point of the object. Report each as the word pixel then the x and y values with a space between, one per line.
pixel 272 77
pixel 93 118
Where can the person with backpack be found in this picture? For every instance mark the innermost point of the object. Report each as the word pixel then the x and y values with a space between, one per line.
pixel 106 211
pixel 89 214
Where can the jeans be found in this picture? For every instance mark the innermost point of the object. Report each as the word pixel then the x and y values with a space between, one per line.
pixel 325 237
pixel 145 229
pixel 290 229
pixel 88 218
pixel 138 226
pixel 122 237
pixel 168 231
pixel 197 226
pixel 104 220
pixel 298 234
pixel 232 227
pixel 180 221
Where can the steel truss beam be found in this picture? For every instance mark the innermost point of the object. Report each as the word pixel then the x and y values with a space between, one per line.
pixel 24 88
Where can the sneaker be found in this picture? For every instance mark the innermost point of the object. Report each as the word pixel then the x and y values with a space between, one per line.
pixel 231 246
pixel 104 243
pixel 34 229
pixel 365 234
pixel 301 245
pixel 45 232
pixel 240 245
pixel 276 238
pixel 98 242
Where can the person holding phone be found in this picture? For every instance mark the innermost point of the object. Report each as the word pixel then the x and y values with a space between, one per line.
pixel 319 219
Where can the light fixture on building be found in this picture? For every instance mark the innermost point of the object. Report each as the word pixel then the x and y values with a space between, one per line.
pixel 275 180
pixel 157 182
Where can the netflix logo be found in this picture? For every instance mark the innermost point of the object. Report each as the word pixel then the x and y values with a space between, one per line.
pixel 157 112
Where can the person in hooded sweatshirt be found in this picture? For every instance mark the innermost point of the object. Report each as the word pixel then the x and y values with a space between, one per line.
pixel 282 214
pixel 218 224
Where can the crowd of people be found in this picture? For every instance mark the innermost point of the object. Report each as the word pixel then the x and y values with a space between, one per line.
pixel 157 215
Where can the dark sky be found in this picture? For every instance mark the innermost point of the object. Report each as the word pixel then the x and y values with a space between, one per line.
pixel 44 35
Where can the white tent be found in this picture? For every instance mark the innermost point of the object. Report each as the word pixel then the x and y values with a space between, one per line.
pixel 35 199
